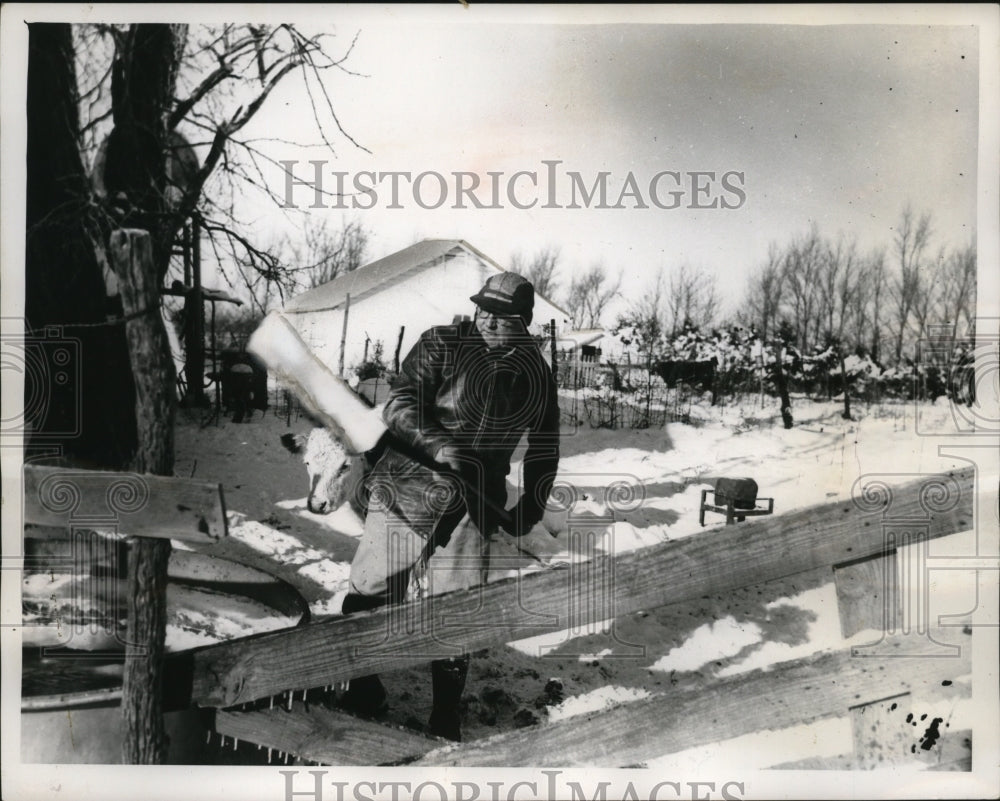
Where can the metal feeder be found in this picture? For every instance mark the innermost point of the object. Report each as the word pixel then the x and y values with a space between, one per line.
pixel 736 498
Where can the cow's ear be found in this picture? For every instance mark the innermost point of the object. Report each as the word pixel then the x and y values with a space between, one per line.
pixel 293 442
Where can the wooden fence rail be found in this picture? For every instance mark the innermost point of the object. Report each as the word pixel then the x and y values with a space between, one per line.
pixel 317 734
pixel 793 693
pixel 796 692
pixel 137 504
pixel 726 558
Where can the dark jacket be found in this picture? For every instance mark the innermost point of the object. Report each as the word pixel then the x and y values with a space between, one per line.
pixel 452 389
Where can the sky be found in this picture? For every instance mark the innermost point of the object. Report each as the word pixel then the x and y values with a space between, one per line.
pixel 837 116
pixel 837 125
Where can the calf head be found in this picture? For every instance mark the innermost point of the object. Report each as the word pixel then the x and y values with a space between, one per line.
pixel 328 465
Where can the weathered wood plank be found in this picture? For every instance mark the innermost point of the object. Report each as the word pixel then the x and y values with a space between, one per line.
pixel 323 735
pixel 868 595
pixel 720 559
pixel 881 735
pixel 792 693
pixel 141 505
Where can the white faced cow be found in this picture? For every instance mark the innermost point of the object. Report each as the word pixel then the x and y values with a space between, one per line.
pixel 334 475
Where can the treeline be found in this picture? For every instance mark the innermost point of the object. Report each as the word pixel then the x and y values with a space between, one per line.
pixel 883 304
pixel 819 317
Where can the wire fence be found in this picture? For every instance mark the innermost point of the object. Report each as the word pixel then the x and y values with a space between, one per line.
pixel 606 394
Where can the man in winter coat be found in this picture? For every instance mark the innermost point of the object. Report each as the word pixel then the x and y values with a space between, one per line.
pixel 464 397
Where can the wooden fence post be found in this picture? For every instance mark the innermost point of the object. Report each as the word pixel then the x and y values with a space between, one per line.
pixel 399 346
pixel 552 344
pixel 145 740
pixel 782 385
pixel 194 335
pixel 847 389
pixel 343 336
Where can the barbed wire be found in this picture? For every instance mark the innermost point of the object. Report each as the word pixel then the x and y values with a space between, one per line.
pixel 37 332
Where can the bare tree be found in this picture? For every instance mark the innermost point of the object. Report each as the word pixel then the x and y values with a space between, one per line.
pixel 589 294
pixel 540 269
pixel 959 288
pixel 927 306
pixel 224 77
pixel 910 241
pixel 323 252
pixel 801 270
pixel 692 298
pixel 868 302
pixel 64 281
pixel 762 302
pixel 643 323
pixel 838 289
pixel 838 285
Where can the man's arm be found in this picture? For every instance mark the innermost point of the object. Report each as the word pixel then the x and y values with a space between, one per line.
pixel 541 461
pixel 409 412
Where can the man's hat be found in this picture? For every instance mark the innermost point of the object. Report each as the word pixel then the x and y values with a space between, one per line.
pixel 507 293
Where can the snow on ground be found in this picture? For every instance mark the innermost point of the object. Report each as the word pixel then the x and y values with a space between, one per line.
pixel 542 644
pixel 273 543
pixel 595 701
pixel 342 519
pixel 198 617
pixel 709 643
pixel 816 462
pixel 80 613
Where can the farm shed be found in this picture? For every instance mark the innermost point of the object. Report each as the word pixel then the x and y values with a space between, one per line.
pixel 428 283
pixel 576 341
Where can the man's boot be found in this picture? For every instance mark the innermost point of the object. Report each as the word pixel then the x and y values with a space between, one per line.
pixel 448 682
pixel 366 695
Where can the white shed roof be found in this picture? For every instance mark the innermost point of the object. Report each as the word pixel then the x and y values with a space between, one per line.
pixel 369 279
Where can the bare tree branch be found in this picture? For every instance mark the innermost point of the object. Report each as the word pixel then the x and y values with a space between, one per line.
pixel 589 295
pixel 183 107
pixel 540 270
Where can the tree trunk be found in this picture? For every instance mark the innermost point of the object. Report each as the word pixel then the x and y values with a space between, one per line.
pixel 782 385
pixel 88 415
pixel 143 83
pixel 145 740
pixel 847 389
pixel 143 87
